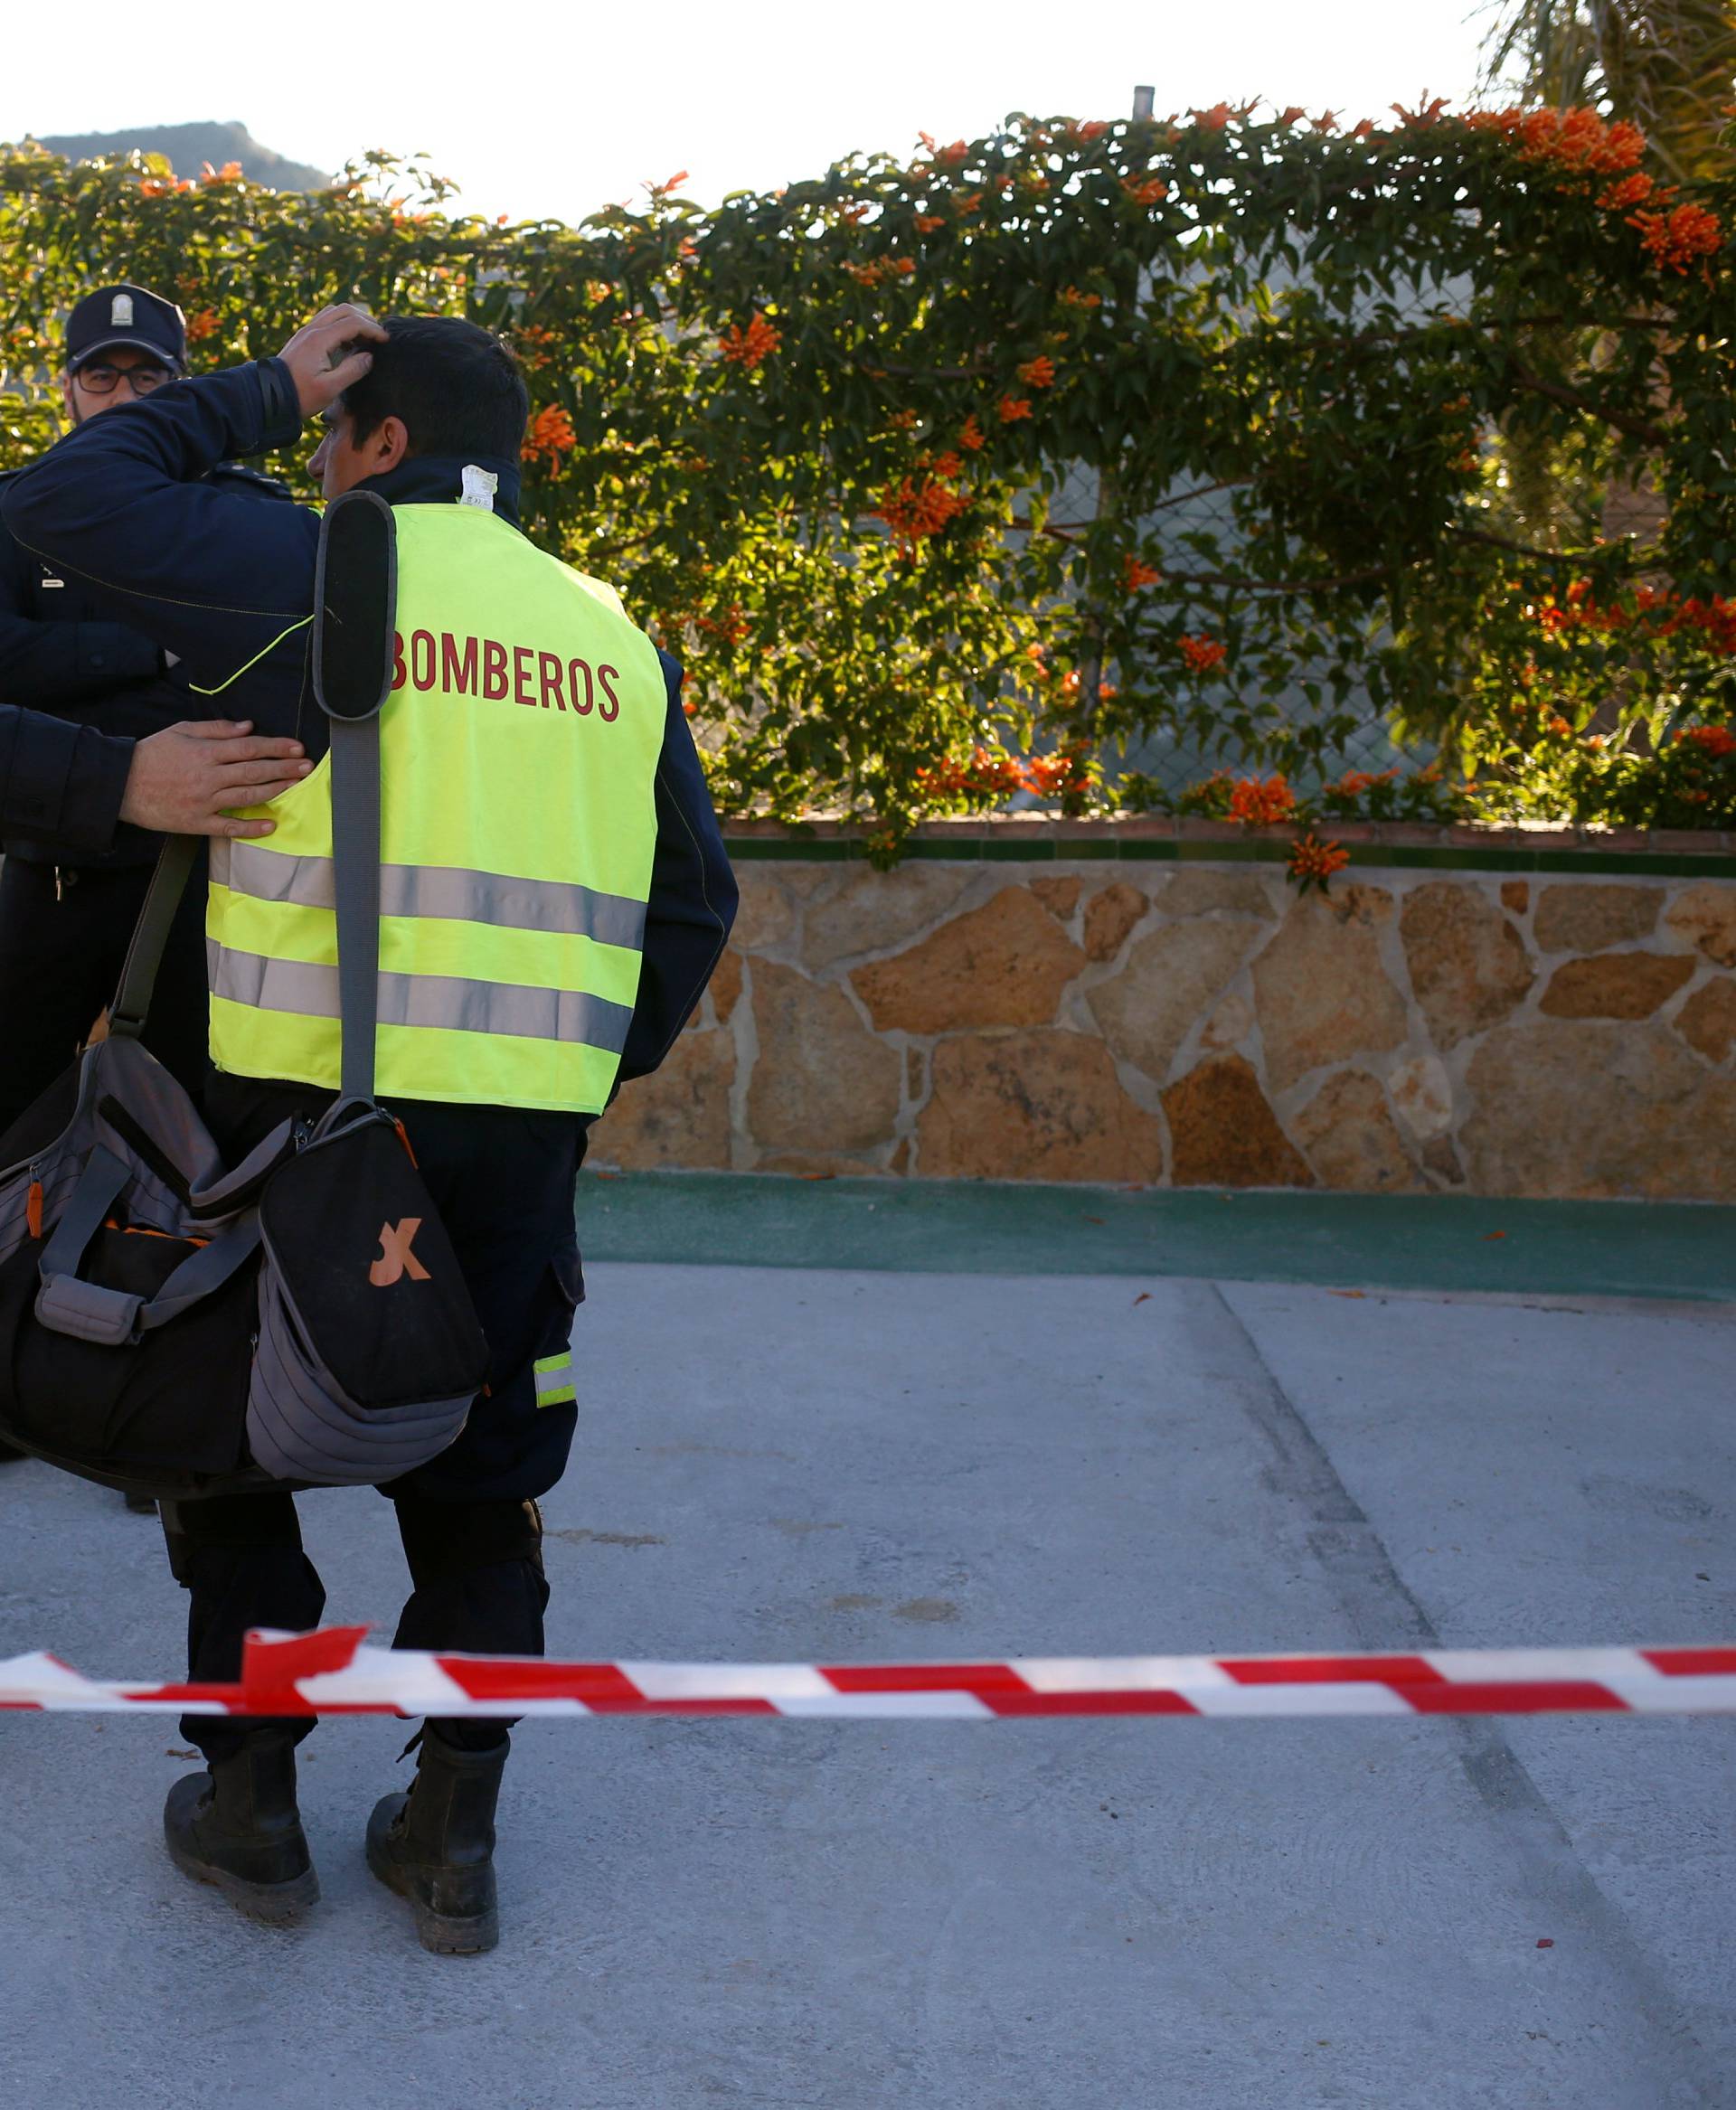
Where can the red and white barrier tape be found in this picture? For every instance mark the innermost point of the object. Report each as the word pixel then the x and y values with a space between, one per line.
pixel 332 1671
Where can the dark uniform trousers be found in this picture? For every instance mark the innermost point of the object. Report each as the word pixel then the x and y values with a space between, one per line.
pixel 504 1183
pixel 63 935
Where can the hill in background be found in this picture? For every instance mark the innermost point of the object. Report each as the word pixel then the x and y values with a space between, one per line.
pixel 188 147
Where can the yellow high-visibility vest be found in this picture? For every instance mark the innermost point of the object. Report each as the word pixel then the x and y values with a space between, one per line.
pixel 518 754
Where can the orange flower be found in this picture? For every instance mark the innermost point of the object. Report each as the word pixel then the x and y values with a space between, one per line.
pixel 1215 119
pixel 949 467
pixel 1013 408
pixel 1048 774
pixel 951 155
pixel 1152 192
pixel 1071 296
pixel 1576 139
pixel 1675 241
pixel 1716 740
pixel 913 511
pixel 904 419
pixel 970 201
pixel 970 434
pixel 1106 691
pixel 989 771
pixel 927 222
pixel 1262 803
pixel 731 625
pixel 534 344
pixel 1203 653
pixel 1038 372
pixel 1092 129
pixel 1312 863
pixel 1632 189
pixel 229 173
pixel 748 347
pixel 881 267
pixel 202 326
pixel 1136 572
pixel 549 436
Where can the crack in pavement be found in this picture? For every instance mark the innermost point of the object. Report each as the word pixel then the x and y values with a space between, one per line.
pixel 1385 1613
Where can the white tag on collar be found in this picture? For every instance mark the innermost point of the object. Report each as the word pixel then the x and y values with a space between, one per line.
pixel 479 487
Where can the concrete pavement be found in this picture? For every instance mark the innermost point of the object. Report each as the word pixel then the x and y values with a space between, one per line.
pixel 1039 1915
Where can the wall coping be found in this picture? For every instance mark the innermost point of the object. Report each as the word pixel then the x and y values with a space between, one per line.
pixel 1155 838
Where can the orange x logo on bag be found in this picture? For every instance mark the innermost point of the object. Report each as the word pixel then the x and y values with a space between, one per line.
pixel 395 1256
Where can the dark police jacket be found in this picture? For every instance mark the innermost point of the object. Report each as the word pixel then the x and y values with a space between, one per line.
pixel 61 653
pixel 61 783
pixel 228 586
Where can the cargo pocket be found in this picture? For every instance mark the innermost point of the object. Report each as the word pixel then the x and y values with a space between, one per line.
pixel 552 1367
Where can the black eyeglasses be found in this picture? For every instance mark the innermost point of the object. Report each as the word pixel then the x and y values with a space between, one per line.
pixel 102 380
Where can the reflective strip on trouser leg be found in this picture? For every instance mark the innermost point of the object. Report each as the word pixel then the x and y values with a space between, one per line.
pixel 554 1380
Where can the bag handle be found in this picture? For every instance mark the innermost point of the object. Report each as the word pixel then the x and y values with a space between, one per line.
pixel 88 1311
pixel 355 598
pixel 150 936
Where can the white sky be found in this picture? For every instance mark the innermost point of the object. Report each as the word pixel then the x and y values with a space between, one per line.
pixel 558 110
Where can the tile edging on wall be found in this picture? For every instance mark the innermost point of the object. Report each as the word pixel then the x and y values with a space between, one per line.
pixel 1049 849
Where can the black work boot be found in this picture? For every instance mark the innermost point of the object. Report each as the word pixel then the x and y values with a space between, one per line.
pixel 435 1845
pixel 236 1825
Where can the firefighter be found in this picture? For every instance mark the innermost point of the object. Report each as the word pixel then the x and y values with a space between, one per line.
pixel 554 896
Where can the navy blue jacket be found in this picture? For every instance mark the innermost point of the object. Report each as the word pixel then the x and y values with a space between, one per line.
pixel 59 654
pixel 60 783
pixel 228 586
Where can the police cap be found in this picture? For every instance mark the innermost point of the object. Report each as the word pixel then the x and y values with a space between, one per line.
pixel 114 315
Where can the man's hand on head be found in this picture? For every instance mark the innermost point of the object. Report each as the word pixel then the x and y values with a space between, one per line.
pixel 326 356
pixel 188 779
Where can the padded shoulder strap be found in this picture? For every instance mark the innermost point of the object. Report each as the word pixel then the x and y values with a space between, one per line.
pixel 355 607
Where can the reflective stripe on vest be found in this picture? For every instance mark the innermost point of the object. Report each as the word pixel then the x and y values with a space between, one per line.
pixel 429 890
pixel 518 758
pixel 424 1000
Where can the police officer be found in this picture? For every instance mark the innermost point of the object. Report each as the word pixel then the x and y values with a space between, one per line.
pixel 65 919
pixel 64 922
pixel 554 896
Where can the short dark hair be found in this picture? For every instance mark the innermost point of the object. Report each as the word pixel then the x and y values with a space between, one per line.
pixel 457 387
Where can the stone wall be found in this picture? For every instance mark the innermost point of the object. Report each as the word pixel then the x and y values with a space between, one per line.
pixel 1200 1025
